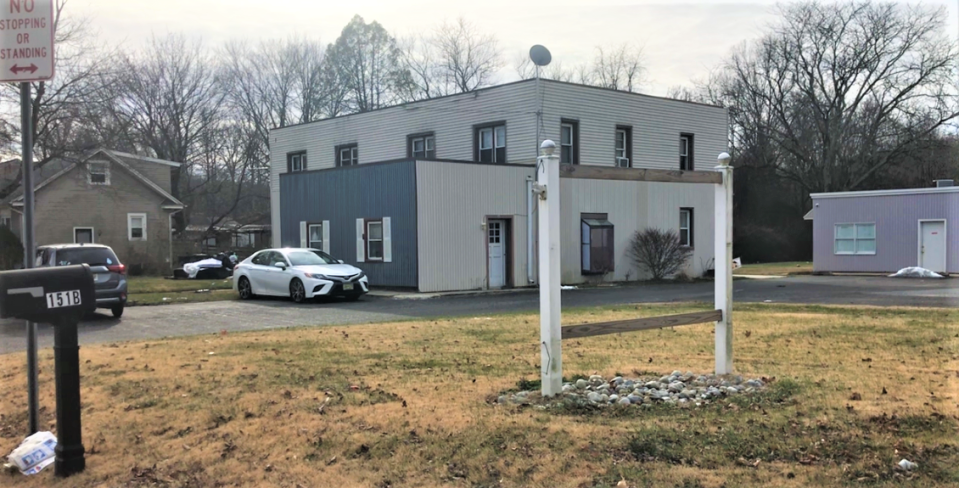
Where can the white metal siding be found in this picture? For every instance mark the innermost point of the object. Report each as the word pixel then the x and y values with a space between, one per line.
pixel 452 201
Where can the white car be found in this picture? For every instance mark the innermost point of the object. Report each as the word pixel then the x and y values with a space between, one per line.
pixel 298 273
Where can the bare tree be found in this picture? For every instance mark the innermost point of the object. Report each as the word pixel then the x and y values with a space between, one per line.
pixel 553 71
pixel 170 95
pixel 467 58
pixel 420 60
pixel 842 90
pixel 619 67
pixel 366 60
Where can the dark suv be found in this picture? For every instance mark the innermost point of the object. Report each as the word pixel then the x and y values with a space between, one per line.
pixel 109 276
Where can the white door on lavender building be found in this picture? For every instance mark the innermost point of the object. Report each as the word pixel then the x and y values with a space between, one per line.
pixel 932 247
pixel 496 238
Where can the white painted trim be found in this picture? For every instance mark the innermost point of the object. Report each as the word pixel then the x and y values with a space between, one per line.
pixel 93 234
pixel 130 217
pixel 883 193
pixel 326 236
pixel 945 246
pixel 143 158
pixel 304 237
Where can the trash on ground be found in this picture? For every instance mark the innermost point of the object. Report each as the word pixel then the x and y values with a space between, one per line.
pixel 915 272
pixel 567 287
pixel 205 290
pixel 908 465
pixel 34 453
pixel 737 263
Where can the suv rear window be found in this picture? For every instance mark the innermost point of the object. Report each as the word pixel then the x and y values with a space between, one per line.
pixel 94 256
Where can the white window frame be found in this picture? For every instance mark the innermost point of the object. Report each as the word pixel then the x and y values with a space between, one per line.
pixel 353 156
pixel 130 217
pixel 206 241
pixel 297 162
pixel 93 234
pixel 685 162
pixel 369 240
pixel 498 138
pixel 309 236
pixel 5 221
pixel 429 146
pixel 688 228
pixel 621 150
pixel 571 145
pixel 106 173
pixel 855 239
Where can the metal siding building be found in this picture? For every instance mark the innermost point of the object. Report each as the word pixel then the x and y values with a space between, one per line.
pixel 898 231
pixel 451 201
pixel 343 195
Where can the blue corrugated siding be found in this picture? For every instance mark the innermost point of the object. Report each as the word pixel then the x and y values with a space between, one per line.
pixel 897 230
pixel 363 192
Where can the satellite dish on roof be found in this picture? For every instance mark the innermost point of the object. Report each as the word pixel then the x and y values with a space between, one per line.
pixel 539 55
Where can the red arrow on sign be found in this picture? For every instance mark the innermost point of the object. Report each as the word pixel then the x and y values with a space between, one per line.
pixel 19 69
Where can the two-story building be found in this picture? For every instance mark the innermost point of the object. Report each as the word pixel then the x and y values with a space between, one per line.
pixel 434 194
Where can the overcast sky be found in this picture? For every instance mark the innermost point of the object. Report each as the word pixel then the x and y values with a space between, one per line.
pixel 681 39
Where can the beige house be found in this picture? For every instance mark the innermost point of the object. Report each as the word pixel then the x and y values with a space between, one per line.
pixel 109 197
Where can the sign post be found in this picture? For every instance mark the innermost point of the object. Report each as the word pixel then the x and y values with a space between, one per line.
pixel 26 56
pixel 547 187
pixel 723 227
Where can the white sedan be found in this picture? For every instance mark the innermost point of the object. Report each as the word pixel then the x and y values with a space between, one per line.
pixel 299 274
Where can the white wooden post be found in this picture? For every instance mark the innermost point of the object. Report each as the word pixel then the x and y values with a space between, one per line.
pixel 547 187
pixel 723 229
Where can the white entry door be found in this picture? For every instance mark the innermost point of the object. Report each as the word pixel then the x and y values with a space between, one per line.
pixel 932 245
pixel 496 238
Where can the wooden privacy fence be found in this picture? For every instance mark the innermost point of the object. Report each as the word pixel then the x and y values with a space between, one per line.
pixel 548 174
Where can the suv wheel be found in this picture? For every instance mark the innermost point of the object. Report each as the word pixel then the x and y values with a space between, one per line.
pixel 117 311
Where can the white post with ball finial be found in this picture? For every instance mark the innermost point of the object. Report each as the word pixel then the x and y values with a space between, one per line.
pixel 551 333
pixel 724 266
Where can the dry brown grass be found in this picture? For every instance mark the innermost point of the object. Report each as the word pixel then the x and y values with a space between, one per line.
pixel 775 269
pixel 406 404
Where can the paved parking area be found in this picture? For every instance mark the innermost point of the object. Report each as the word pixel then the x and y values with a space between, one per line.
pixel 140 323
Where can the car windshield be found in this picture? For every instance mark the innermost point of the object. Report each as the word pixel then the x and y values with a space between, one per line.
pixel 307 258
pixel 94 256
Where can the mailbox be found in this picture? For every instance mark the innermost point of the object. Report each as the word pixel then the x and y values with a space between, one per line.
pixel 59 296
pixel 51 295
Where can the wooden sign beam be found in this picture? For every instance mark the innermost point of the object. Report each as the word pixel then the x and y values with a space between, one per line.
pixel 618 326
pixel 639 174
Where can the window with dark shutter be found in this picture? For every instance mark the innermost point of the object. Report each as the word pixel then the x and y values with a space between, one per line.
pixel 686 152
pixel 296 162
pixel 491 143
pixel 597 249
pixel 347 155
pixel 421 146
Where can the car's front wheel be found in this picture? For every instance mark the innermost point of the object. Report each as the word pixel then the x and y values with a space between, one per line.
pixel 117 311
pixel 245 289
pixel 297 291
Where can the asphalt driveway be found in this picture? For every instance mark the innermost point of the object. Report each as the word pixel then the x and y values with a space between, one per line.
pixel 141 323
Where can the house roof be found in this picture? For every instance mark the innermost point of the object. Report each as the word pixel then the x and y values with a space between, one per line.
pixel 496 87
pixel 120 159
pixel 885 193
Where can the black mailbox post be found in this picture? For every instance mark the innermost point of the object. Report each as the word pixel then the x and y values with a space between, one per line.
pixel 59 296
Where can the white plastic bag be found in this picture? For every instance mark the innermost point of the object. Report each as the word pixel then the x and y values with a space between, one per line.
pixel 915 272
pixel 34 453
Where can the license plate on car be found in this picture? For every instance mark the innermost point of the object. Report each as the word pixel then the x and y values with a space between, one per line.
pixel 63 299
pixel 347 286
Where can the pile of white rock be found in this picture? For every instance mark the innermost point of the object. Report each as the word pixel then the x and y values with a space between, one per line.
pixel 675 388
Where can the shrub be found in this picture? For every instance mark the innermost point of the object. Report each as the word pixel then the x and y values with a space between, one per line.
pixel 11 249
pixel 658 251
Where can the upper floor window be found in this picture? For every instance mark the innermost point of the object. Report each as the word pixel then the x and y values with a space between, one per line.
pixel 137 226
pixel 624 146
pixel 347 155
pixel 296 162
pixel 98 173
pixel 491 143
pixel 422 146
pixel 686 152
pixel 568 142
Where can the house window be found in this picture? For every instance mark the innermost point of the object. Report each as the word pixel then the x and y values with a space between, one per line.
pixel 624 147
pixel 421 146
pixel 491 143
pixel 686 227
pixel 374 240
pixel 597 254
pixel 569 142
pixel 210 241
pixel 137 226
pixel 99 173
pixel 686 152
pixel 296 162
pixel 315 233
pixel 5 221
pixel 83 235
pixel 243 239
pixel 347 155
pixel 855 239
